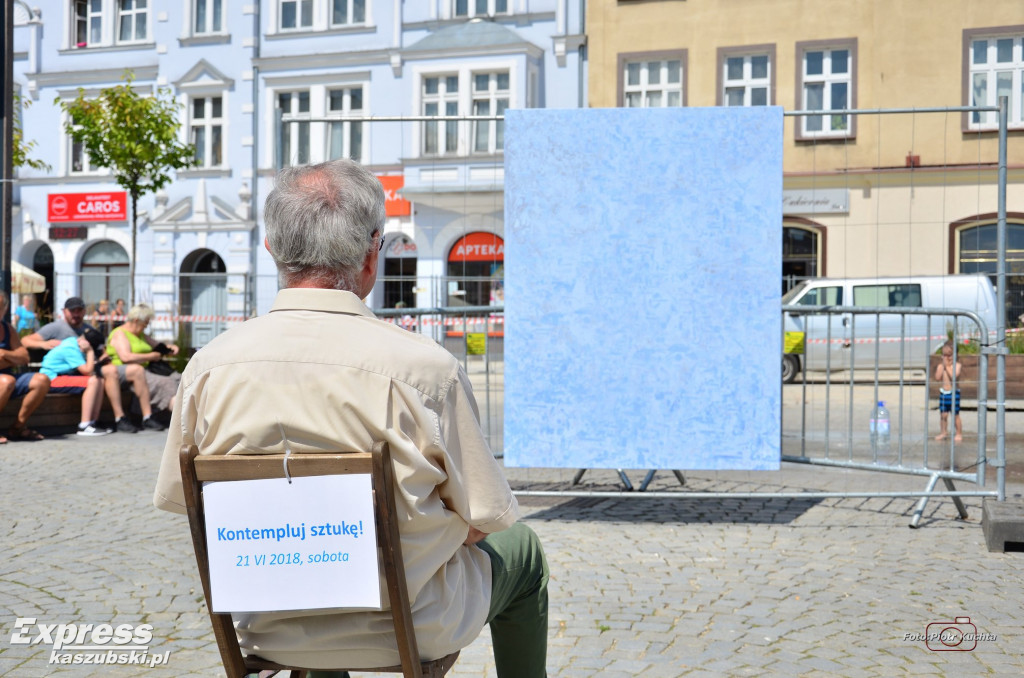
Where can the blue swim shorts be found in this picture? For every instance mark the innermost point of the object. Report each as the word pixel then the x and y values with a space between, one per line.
pixel 946 401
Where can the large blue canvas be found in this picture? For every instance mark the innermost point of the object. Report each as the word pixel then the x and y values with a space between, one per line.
pixel 642 263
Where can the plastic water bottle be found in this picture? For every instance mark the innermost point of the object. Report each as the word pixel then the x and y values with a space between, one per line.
pixel 879 425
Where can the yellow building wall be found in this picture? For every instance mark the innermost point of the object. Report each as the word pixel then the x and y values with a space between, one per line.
pixel 909 54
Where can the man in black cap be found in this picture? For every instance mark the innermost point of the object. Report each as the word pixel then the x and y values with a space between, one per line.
pixel 71 325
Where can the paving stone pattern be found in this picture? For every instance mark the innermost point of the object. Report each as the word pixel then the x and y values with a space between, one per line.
pixel 640 586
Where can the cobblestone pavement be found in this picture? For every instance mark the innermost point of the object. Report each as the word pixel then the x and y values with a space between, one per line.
pixel 640 586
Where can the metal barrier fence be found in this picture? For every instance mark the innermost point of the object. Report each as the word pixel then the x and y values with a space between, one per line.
pixel 810 440
pixel 829 436
pixel 474 333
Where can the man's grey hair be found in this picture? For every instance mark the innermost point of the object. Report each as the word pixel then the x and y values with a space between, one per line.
pixel 321 219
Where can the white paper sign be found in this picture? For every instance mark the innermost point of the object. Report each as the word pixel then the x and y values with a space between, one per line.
pixel 306 545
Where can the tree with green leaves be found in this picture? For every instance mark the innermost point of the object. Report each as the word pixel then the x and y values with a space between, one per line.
pixel 21 148
pixel 133 135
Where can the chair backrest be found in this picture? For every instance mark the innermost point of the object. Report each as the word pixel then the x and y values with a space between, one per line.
pixel 197 469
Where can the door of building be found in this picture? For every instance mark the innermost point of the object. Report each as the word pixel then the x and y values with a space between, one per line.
pixel 204 295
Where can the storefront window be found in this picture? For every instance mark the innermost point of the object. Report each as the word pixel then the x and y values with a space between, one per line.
pixel 799 256
pixel 476 271
pixel 979 254
pixel 399 272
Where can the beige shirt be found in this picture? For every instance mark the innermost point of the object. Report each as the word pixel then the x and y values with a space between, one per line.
pixel 336 378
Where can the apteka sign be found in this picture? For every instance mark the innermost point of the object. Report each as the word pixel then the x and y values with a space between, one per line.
pixel 61 207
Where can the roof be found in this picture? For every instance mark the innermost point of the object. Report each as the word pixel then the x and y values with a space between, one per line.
pixel 473 33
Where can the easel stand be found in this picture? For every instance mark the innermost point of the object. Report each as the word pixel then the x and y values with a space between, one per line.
pixel 625 479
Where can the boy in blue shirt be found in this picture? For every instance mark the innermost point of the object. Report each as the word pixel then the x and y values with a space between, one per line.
pixel 71 368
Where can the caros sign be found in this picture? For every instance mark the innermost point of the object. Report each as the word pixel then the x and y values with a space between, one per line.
pixel 87 206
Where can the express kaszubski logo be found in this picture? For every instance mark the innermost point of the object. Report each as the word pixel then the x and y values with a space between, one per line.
pixel 75 643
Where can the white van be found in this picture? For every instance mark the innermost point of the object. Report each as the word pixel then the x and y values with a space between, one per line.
pixel 852 335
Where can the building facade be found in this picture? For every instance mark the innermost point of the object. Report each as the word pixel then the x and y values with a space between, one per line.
pixel 268 84
pixel 865 195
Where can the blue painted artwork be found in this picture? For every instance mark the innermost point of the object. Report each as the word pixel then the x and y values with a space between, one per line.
pixel 642 300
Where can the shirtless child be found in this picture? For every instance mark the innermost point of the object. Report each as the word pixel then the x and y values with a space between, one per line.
pixel 947 399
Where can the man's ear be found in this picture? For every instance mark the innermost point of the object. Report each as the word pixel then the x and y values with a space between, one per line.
pixel 266 243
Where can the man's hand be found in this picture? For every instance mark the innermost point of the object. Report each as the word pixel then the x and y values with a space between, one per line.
pixel 474 536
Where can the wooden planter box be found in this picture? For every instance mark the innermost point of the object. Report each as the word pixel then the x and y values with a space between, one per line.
pixel 968 381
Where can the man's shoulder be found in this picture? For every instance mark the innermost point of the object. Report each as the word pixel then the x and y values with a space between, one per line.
pixel 58 329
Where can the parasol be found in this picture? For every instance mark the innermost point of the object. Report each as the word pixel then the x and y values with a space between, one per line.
pixel 24 280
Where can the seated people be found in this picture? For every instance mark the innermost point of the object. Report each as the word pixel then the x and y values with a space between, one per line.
pixel 71 368
pixel 131 350
pixel 31 387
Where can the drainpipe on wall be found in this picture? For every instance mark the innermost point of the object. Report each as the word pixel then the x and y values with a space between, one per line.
pixel 580 78
pixel 254 238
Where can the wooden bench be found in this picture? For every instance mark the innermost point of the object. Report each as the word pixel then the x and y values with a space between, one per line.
pixel 64 410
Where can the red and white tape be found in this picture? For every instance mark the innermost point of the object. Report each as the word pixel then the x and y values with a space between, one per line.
pixel 893 340
pixel 445 322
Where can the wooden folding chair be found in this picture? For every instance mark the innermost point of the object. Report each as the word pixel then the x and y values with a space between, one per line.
pixel 196 470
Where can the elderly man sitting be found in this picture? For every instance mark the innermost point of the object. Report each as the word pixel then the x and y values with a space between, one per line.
pixel 346 380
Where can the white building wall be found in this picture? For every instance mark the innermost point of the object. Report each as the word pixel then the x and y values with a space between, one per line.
pixel 247 64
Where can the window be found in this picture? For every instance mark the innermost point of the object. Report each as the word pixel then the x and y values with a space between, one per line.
pixel 294 142
pixel 105 267
pixel 471 8
pixel 131 19
pixel 490 97
pixel 746 80
pixel 344 12
pixel 822 296
pixel 827 80
pixel 487 93
pixel 440 96
pixel 995 69
pixel 87 25
pixel 978 253
pixel 344 137
pixel 887 296
pixel 296 14
pixel 206 131
pixel 652 80
pixel 319 122
pixel 78 162
pixel 399 272
pixel 105 23
pixel 801 251
pixel 208 16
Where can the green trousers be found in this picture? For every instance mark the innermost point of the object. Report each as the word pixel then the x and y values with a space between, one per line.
pixel 518 615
